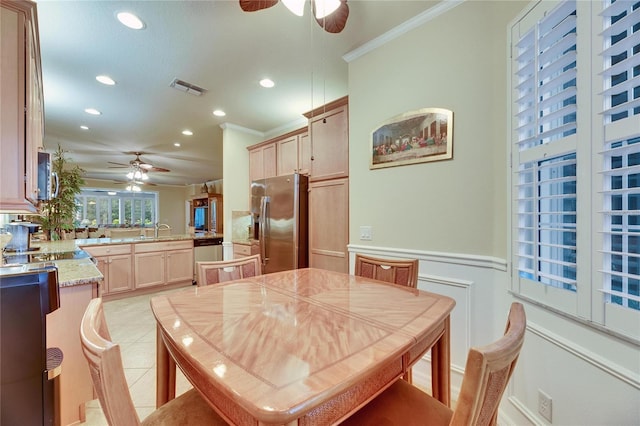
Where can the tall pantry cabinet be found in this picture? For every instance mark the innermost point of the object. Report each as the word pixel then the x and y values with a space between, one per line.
pixel 329 186
pixel 22 110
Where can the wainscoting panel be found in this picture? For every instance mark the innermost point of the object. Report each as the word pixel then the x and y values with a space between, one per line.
pixel 473 282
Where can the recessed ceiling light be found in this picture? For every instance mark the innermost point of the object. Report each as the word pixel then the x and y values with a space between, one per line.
pixel 187 132
pixel 176 144
pixel 111 192
pixel 105 79
pixel 266 82
pixel 84 127
pixel 219 113
pixel 130 20
pixel 92 111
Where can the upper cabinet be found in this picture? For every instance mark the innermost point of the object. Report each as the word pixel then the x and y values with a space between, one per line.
pixel 262 161
pixel 22 112
pixel 329 134
pixel 284 155
pixel 294 154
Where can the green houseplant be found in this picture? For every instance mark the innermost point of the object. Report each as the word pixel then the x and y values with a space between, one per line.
pixel 57 214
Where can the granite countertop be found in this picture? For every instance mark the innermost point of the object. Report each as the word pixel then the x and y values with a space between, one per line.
pixel 77 272
pixel 245 241
pixel 72 272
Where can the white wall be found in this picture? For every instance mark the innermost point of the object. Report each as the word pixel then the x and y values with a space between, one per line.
pixel 235 140
pixel 452 215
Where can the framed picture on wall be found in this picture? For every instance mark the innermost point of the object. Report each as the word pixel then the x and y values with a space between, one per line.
pixel 413 137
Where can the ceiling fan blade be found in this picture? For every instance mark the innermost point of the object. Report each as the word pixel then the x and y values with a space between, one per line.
pixel 255 5
pixel 156 169
pixel 118 165
pixel 335 22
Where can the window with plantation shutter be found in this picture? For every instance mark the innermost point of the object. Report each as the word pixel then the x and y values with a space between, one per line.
pixel 544 152
pixel 620 158
pixel 575 160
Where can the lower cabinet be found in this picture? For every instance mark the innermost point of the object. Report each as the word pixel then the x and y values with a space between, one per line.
pixel 157 264
pixel 114 262
pixel 143 265
pixel 241 250
pixel 329 225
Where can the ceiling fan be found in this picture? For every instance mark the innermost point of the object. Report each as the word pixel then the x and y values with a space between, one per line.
pixel 138 164
pixel 331 15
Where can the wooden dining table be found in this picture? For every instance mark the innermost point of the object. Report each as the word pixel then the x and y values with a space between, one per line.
pixel 300 347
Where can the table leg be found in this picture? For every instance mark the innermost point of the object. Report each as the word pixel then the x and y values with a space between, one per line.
pixel 441 367
pixel 165 372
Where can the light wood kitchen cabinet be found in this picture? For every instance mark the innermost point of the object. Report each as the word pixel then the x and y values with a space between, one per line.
pixel 262 161
pixel 114 262
pixel 22 111
pixel 294 153
pixel 329 134
pixel 241 250
pixel 329 224
pixel 159 264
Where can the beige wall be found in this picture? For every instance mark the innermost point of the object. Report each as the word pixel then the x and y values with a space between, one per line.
pixel 171 201
pixel 454 62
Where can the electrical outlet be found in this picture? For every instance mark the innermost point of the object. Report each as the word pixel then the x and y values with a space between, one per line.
pixel 544 405
pixel 366 233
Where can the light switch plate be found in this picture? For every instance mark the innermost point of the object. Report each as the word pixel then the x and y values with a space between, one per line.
pixel 366 233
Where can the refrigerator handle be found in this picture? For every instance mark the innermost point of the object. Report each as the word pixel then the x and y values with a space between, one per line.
pixel 264 220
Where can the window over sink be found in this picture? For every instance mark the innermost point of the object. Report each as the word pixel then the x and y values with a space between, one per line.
pixel 103 207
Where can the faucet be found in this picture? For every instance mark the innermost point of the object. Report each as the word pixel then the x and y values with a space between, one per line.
pixel 156 228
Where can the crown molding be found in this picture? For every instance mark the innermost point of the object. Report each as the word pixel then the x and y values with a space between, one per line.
pixel 415 22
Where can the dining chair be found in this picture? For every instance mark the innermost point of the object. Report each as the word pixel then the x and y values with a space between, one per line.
pixel 226 270
pixel 486 375
pixel 107 374
pixel 403 272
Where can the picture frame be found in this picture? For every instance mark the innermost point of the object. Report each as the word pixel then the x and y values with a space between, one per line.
pixel 413 137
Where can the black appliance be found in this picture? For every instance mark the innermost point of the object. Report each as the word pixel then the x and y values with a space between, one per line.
pixel 27 294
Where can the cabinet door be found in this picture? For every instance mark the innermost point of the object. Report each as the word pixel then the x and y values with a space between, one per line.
pixel 329 225
pixel 288 155
pixel 149 269
pixel 102 263
pixel 256 164
pixel 179 265
pixel 270 160
pixel 330 144
pixel 16 22
pixel 120 276
pixel 304 154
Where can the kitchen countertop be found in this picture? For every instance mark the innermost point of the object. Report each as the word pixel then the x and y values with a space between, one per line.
pixel 73 272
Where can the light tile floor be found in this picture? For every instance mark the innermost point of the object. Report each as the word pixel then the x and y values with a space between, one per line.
pixel 132 325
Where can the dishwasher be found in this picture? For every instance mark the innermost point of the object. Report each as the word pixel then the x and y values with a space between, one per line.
pixel 206 249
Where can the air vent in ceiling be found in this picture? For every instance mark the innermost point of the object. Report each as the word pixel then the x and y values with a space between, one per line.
pixel 183 86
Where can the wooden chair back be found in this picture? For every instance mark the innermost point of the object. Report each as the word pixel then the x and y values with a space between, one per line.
pixel 105 365
pixel 228 270
pixel 403 272
pixel 487 373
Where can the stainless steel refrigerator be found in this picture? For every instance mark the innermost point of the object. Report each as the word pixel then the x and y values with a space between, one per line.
pixel 280 220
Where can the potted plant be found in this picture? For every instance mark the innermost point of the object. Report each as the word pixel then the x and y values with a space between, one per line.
pixel 57 214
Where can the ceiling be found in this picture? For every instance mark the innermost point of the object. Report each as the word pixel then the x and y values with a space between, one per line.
pixel 211 44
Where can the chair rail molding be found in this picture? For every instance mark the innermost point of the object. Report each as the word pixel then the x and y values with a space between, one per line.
pixel 463 259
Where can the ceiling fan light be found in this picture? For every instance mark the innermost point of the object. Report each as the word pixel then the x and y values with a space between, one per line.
pixel 295 6
pixel 326 7
pixel 144 176
pixel 130 175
